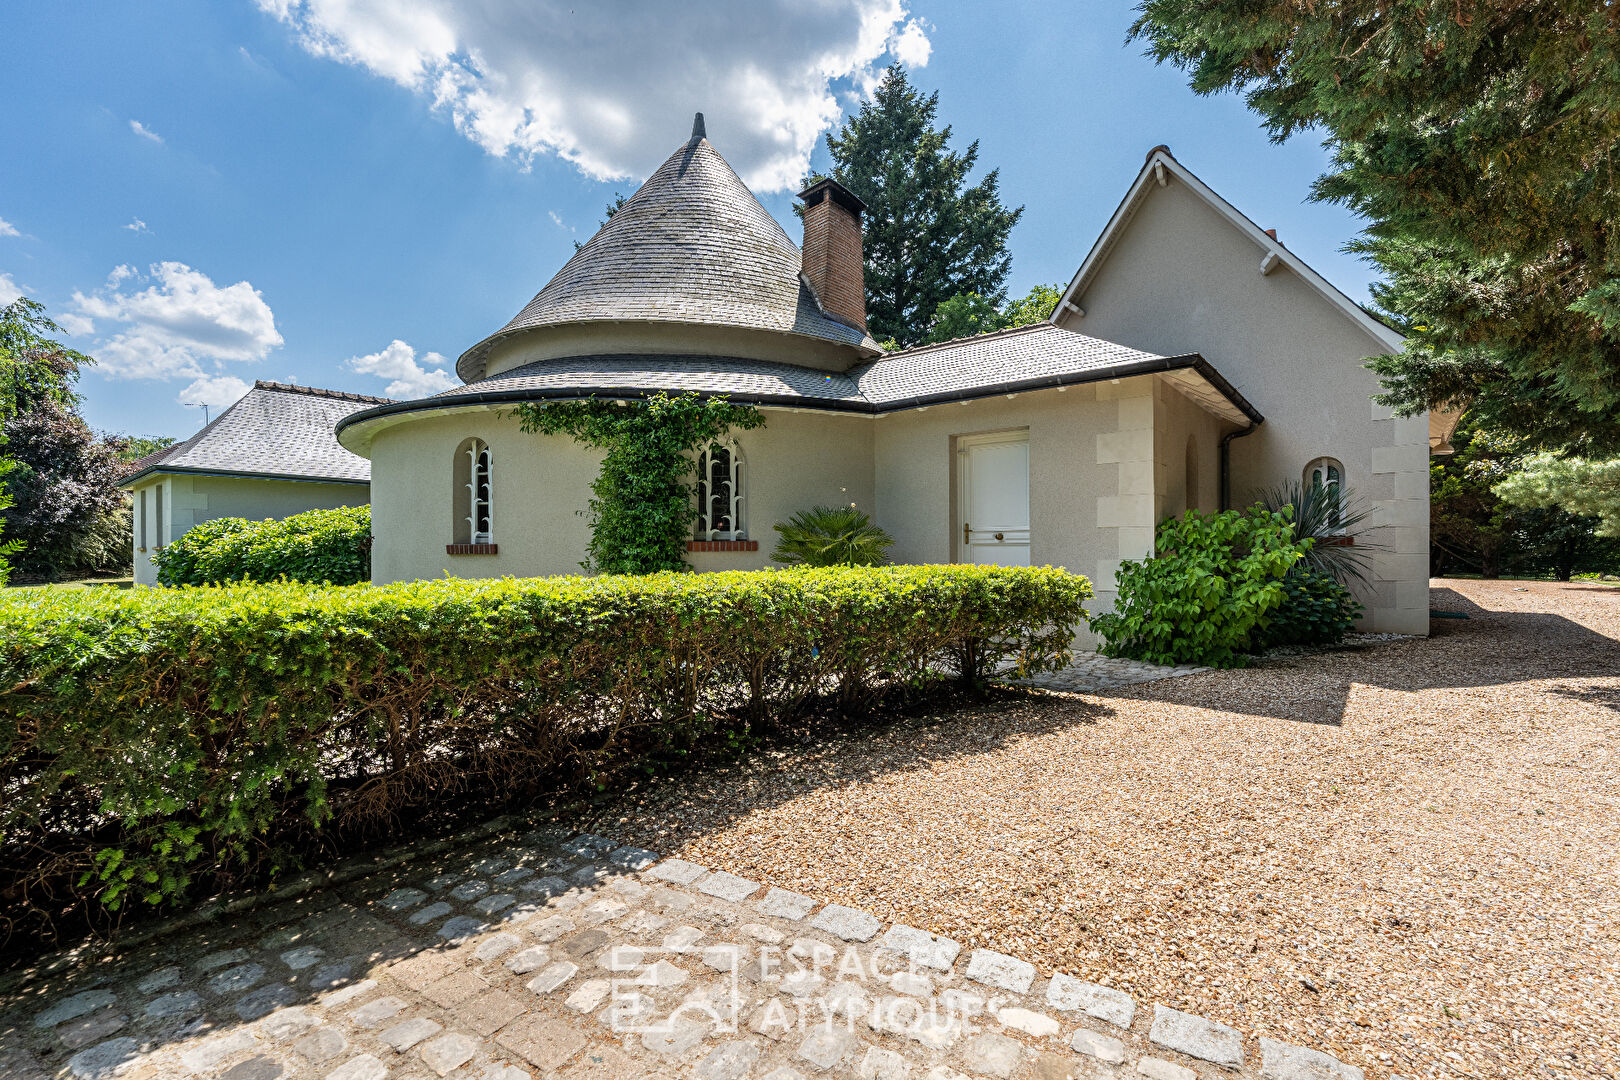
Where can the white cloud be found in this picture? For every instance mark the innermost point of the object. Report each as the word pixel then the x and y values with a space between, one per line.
pixel 910 45
pixel 136 225
pixel 181 325
pixel 144 132
pixel 76 325
pixel 9 290
pixel 614 92
pixel 215 391
pixel 556 219
pixel 410 379
pixel 8 229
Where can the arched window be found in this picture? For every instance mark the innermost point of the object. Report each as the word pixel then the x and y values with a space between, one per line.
pixel 720 492
pixel 475 493
pixel 1327 475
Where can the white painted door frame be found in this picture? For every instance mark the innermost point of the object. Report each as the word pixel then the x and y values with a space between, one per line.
pixel 992 498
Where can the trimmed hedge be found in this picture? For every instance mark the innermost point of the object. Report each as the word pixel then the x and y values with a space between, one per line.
pixel 151 740
pixel 317 546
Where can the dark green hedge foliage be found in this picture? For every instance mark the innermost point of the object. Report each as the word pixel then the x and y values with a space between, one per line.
pixel 1316 610
pixel 153 738
pixel 330 546
pixel 1213 582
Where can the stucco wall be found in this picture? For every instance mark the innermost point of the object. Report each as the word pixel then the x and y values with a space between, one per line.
pixel 189 499
pixel 915 456
pixel 797 460
pixel 1182 279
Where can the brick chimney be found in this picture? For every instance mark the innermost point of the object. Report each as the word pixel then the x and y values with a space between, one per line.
pixel 832 250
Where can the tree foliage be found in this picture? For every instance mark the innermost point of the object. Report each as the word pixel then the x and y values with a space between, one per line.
pixel 929 233
pixel 1474 528
pixel 1208 592
pixel 967 314
pixel 641 513
pixel 1480 139
pixel 68 513
pixel 34 367
pixel 831 536
pixel 330 547
pixel 1581 487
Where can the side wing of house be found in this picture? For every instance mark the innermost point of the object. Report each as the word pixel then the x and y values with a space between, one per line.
pixel 1178 270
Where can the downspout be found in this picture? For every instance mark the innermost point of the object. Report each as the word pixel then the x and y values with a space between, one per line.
pixel 1226 461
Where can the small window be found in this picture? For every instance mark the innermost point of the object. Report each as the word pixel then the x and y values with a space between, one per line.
pixel 475 493
pixel 1190 467
pixel 1327 475
pixel 157 502
pixel 720 492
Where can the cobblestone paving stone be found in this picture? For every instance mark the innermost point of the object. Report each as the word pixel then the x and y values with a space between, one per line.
pixel 639 968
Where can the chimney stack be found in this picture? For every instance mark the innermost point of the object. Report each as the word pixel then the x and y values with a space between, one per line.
pixel 832 250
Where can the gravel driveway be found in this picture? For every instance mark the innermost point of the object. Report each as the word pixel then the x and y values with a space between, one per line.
pixel 1408 854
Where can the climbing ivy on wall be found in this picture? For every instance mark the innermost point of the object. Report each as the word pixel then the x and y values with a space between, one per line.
pixel 641 514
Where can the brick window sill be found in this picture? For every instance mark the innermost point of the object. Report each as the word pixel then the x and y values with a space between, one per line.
pixel 1339 541
pixel 722 545
pixel 472 549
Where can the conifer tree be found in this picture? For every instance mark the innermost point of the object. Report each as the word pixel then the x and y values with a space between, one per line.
pixel 929 234
pixel 1480 140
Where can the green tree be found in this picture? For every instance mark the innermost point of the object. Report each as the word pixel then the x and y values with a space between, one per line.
pixel 36 372
pixel 131 448
pixel 929 234
pixel 1579 486
pixel 966 314
pixel 1480 140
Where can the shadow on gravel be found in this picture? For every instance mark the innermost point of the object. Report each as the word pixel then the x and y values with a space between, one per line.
pixel 1489 648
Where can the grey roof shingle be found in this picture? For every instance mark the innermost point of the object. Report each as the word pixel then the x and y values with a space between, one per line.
pixel 1019 355
pixel 274 430
pixel 603 375
pixel 692 245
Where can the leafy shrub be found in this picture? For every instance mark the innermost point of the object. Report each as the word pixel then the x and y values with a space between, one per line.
pixel 831 536
pixel 151 738
pixel 1213 582
pixel 1331 518
pixel 331 546
pixel 1317 610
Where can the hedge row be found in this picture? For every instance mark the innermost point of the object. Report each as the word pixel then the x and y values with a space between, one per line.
pixel 151 739
pixel 319 546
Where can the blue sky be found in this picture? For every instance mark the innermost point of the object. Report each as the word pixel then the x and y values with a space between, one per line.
pixel 212 191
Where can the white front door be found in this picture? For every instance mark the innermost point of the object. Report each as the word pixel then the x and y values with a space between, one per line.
pixel 992 498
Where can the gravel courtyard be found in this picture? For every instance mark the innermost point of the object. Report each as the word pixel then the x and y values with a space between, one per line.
pixel 1407 854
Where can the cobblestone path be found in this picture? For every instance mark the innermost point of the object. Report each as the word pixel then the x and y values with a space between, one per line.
pixel 542 955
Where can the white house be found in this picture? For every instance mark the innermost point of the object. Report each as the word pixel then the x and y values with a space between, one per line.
pixel 1193 361
pixel 271 455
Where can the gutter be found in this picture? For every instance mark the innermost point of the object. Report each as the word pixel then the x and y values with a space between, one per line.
pixel 1151 366
pixel 1226 460
pixel 228 474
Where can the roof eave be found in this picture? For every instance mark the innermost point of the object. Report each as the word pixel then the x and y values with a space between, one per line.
pixel 187 470
pixel 1149 366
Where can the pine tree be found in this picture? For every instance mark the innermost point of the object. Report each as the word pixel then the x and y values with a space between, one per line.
pixel 1480 140
pixel 929 235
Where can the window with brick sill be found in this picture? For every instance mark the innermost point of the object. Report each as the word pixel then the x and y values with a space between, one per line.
pixel 722 523
pixel 474 500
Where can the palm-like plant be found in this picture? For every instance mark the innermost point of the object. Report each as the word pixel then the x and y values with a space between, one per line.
pixel 831 536
pixel 1331 517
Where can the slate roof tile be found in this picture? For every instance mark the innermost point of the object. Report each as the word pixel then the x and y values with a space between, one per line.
pixel 274 430
pixel 692 245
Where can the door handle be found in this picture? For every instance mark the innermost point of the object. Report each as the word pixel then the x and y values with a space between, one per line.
pixel 965 528
pixel 1000 537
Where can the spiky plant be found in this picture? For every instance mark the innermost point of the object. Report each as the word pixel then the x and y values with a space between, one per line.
pixel 831 536
pixel 1332 518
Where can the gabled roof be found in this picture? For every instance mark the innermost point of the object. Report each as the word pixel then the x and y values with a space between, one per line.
pixel 692 245
pixel 1157 171
pixel 275 431
pixel 1026 358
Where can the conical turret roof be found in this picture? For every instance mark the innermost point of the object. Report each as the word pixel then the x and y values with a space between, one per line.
pixel 692 245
